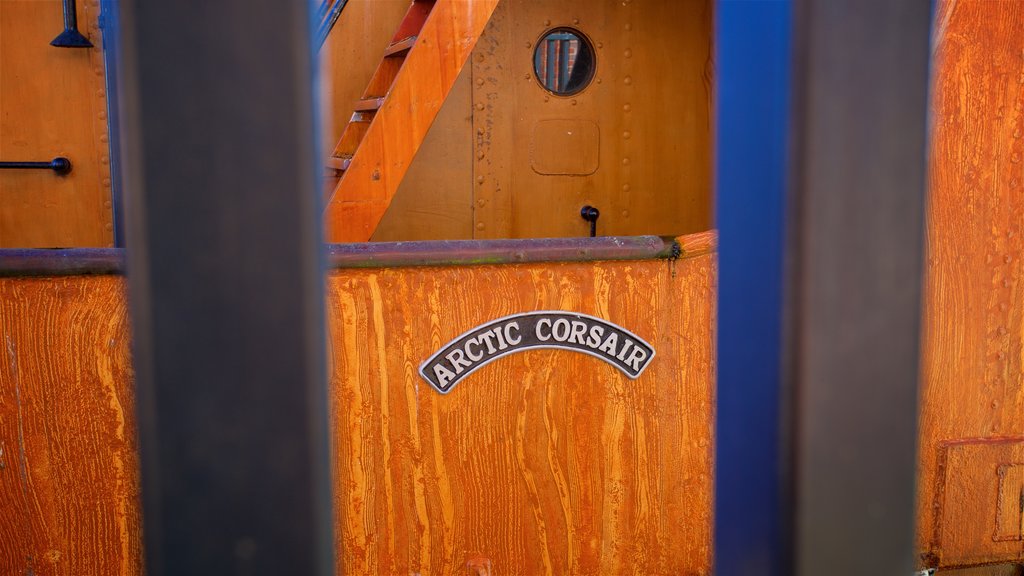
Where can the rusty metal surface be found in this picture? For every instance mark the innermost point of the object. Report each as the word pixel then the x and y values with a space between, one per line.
pixel 78 261
pixel 61 262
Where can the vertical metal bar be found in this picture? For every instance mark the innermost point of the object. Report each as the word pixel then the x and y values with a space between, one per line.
pixel 861 96
pixel 110 23
pixel 563 65
pixel 226 286
pixel 552 59
pixel 752 505
pixel 817 407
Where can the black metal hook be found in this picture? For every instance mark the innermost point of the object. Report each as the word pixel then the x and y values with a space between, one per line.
pixel 71 37
pixel 591 214
pixel 60 165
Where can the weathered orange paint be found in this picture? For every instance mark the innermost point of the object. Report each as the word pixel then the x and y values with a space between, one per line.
pixel 543 462
pixel 972 410
pixel 69 470
pixel 546 461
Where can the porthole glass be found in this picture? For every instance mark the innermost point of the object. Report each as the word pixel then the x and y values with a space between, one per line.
pixel 564 61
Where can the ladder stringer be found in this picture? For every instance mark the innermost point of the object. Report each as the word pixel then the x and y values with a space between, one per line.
pixel 376 169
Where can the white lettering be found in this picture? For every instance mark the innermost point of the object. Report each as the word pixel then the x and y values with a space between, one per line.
pixel 478 355
pixel 622 353
pixel 595 336
pixel 636 357
pixel 579 330
pixel 540 323
pixel 486 338
pixel 443 375
pixel 560 330
pixel 458 360
pixel 610 343
pixel 501 339
pixel 508 335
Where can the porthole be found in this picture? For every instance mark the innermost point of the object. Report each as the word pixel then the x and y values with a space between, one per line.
pixel 564 61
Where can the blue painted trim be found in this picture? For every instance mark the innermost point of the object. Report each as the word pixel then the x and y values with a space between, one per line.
pixel 109 23
pixel 752 510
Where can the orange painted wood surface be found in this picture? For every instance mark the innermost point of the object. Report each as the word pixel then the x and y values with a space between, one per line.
pixel 68 452
pixel 972 412
pixel 53 102
pixel 544 462
pixel 400 126
pixel 350 55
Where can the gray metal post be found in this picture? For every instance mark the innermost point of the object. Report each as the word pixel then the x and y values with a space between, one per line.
pixel 226 286
pixel 854 289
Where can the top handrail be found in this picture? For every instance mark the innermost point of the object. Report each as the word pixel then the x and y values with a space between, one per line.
pixel 329 11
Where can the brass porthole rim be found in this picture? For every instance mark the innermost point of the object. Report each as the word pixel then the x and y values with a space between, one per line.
pixel 585 38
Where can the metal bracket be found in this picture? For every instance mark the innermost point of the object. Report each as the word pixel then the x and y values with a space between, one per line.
pixel 591 214
pixel 60 165
pixel 71 37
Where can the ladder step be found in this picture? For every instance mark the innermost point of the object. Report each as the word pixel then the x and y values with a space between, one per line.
pixel 400 47
pixel 368 104
pixel 339 164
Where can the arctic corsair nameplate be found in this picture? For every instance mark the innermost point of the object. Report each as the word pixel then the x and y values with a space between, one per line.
pixel 545 329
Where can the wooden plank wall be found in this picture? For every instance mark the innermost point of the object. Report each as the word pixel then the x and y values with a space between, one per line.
pixel 53 102
pixel 546 461
pixel 69 501
pixel 972 414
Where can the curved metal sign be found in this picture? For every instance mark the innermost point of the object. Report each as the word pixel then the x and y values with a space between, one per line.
pixel 543 329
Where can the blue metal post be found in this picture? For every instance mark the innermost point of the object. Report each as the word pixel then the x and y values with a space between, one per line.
pixel 753 54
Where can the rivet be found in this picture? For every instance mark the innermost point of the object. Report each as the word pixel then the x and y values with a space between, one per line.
pixel 625 161
pixel 626 134
pixel 480 131
pixel 375 176
pixel 104 138
pixel 101 93
pixel 480 179
pixel 625 187
pixel 628 53
pixel 547 22
pixel 479 57
pixel 527 76
pixel 625 213
pixel 627 80
pixel 628 27
pixel 574 102
pixel 106 182
pixel 529 44
pixel 102 115
pixel 481 202
pixel 108 226
pixel 626 107
pixel 479 81
pixel 98 71
pixel 480 106
pixel 600 44
pixel 106 204
pixel 104 159
pixel 480 155
pixel 479 225
pixel 546 98
pixel 110 244
pixel 575 20
pixel 598 80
